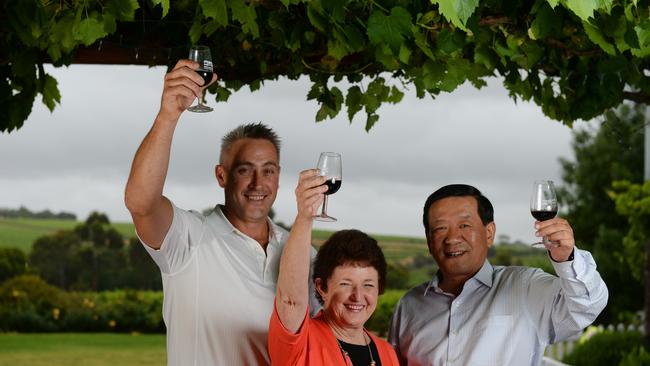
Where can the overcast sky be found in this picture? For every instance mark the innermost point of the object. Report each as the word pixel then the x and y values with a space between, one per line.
pixel 77 158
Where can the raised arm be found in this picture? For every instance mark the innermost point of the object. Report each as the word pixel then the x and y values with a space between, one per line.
pixel 565 305
pixel 151 211
pixel 292 295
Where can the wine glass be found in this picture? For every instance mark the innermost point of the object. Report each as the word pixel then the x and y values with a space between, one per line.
pixel 201 55
pixel 543 205
pixel 329 166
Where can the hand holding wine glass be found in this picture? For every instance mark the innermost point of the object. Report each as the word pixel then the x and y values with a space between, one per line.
pixel 543 206
pixel 202 56
pixel 329 166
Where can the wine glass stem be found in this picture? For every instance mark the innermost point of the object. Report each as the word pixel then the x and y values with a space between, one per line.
pixel 324 211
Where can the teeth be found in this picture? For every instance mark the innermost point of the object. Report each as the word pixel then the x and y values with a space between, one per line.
pixel 454 254
pixel 354 307
pixel 255 198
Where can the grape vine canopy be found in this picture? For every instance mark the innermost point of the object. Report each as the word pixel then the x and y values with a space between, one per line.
pixel 573 58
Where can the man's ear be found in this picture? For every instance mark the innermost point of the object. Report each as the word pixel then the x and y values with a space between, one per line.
pixel 220 173
pixel 491 229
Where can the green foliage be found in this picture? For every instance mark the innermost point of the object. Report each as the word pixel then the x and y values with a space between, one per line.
pixel 574 58
pixel 604 155
pixel 113 311
pixel 397 276
pixel 380 319
pixel 637 357
pixel 633 202
pixel 28 304
pixel 12 263
pixel 604 349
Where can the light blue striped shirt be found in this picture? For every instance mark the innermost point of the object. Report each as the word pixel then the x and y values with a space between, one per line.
pixel 503 315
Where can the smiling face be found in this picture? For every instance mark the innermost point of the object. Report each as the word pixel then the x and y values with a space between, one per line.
pixel 350 296
pixel 249 174
pixel 458 240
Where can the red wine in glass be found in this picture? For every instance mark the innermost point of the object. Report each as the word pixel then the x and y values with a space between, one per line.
pixel 329 166
pixel 206 75
pixel 202 56
pixel 543 205
pixel 333 185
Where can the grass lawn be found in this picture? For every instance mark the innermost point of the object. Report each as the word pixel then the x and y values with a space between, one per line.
pixel 87 349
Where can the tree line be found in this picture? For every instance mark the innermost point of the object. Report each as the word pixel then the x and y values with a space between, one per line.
pixel 24 213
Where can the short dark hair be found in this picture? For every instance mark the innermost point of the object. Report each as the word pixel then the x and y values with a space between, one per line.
pixel 249 131
pixel 349 247
pixel 485 209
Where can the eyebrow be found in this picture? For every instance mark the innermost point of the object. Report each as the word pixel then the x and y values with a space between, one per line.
pixel 248 163
pixel 462 216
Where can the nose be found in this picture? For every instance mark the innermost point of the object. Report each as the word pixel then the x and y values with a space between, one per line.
pixel 356 293
pixel 454 235
pixel 255 180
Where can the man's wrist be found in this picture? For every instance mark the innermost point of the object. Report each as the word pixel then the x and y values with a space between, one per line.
pixel 569 259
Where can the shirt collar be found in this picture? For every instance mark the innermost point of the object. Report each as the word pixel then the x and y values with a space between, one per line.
pixel 224 226
pixel 484 276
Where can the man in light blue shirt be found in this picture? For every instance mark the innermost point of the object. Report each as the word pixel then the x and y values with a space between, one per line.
pixel 473 313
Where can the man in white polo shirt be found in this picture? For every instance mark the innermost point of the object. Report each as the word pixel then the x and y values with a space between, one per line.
pixel 219 271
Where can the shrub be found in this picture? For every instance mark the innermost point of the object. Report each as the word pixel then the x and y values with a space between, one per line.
pixel 606 349
pixel 29 304
pixel 114 311
pixel 637 357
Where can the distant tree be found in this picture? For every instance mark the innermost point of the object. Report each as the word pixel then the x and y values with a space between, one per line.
pixel 106 262
pixel 603 155
pixel 23 212
pixel 143 272
pixel 633 202
pixel 12 263
pixel 51 256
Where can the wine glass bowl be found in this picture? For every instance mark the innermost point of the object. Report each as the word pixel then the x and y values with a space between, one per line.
pixel 543 205
pixel 329 166
pixel 202 56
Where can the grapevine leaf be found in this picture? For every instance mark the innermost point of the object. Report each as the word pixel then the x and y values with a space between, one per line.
pixel 395 96
pixel 353 101
pixel 195 31
pixel 457 11
pixel 584 9
pixel 372 119
pixel 164 4
pixel 122 9
pixel 89 31
pixel 597 37
pixel 215 9
pixel 546 23
pixel 389 29
pixel 50 92
pixel 316 16
pixel 553 3
pixel 404 53
pixel 246 15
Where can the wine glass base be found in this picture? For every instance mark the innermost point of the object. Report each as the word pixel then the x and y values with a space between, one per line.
pixel 538 245
pixel 547 245
pixel 324 218
pixel 200 108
